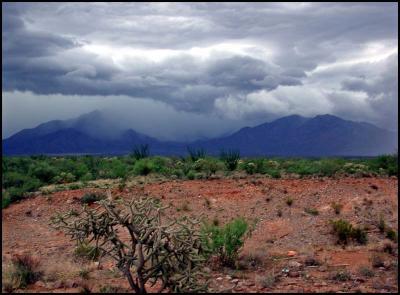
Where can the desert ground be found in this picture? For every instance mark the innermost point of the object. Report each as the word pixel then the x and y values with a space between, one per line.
pixel 294 252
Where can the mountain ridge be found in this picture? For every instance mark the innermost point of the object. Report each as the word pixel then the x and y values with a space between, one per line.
pixel 294 135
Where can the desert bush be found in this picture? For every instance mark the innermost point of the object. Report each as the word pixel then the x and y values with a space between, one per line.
pixel 346 231
pixel 196 154
pixel 267 281
pixel 341 276
pixel 141 151
pixel 377 260
pixel 24 270
pixel 381 224
pixel 311 211
pixel 366 271
pixel 279 212
pixel 143 167
pixel 109 289
pixel 191 175
pixel 84 273
pixel 337 207
pixel 90 198
pixel 289 201
pixel 5 200
pixel 311 261
pixel 252 259
pixel 167 251
pixel 230 158
pixel 86 251
pixel 224 241
pixel 391 234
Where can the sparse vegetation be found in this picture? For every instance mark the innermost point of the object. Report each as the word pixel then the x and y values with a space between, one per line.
pixel 176 264
pixel 90 198
pixel 289 201
pixel 28 174
pixel 341 276
pixel 140 152
pixel 365 271
pixel 24 271
pixel 377 260
pixel 267 281
pixel 86 251
pixel 196 154
pixel 391 234
pixel 337 207
pixel 311 211
pixel 231 158
pixel 346 231
pixel 224 241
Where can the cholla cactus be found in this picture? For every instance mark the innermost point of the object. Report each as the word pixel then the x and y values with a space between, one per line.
pixel 169 252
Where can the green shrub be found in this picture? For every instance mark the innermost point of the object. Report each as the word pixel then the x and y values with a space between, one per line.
pixel 360 235
pixel 86 251
pixel 289 201
pixel 337 207
pixel 311 211
pixel 24 270
pixel 5 200
pixel 191 175
pixel 341 276
pixel 391 234
pixel 346 231
pixel 381 224
pixel 195 154
pixel 366 271
pixel 224 241
pixel 143 167
pixel 231 158
pixel 141 151
pixel 90 198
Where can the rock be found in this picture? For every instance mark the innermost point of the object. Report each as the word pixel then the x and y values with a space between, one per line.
pixel 387 264
pixel 249 283
pixel 291 253
pixel 40 284
pixel 293 274
pixel 207 270
pixel 71 284
pixel 228 277
pixel 58 284
pixel 294 264
pixel 323 268
pixel 220 279
pixel 235 281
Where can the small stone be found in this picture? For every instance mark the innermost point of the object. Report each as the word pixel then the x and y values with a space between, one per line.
pixel 207 270
pixel 228 277
pixel 220 279
pixel 249 283
pixel 291 253
pixel 294 264
pixel 235 281
pixel 40 284
pixel 294 274
pixel 57 285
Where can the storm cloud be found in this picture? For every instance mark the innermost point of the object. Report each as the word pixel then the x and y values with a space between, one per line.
pixel 232 64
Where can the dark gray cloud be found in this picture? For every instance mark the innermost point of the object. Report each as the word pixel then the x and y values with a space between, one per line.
pixel 251 62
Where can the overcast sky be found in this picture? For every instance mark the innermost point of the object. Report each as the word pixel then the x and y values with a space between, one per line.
pixel 191 70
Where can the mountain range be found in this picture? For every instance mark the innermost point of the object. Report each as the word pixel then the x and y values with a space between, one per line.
pixel 322 135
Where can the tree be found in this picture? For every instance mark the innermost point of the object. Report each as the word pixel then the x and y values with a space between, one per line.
pixel 167 251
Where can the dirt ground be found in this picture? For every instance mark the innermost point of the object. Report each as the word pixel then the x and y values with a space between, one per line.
pixel 25 228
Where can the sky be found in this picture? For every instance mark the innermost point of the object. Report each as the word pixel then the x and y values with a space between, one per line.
pixel 184 71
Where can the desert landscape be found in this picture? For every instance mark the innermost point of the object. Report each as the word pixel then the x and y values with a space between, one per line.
pixel 291 248
pixel 196 147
